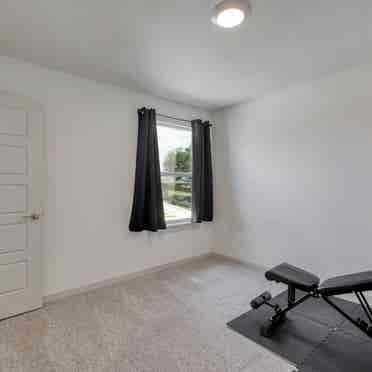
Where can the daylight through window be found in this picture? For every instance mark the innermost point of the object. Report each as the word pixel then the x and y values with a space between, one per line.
pixel 175 153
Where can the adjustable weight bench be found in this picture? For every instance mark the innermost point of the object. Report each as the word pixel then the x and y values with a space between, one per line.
pixel 298 279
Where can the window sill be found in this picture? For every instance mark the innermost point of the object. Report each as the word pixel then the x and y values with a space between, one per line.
pixel 175 224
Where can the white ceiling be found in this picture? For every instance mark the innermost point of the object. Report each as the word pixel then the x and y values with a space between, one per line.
pixel 171 49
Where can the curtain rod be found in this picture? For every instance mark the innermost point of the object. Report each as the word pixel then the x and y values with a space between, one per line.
pixel 178 119
pixel 171 117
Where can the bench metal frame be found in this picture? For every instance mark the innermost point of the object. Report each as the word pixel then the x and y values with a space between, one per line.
pixel 362 325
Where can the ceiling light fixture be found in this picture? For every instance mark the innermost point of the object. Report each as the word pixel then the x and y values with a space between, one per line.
pixel 231 13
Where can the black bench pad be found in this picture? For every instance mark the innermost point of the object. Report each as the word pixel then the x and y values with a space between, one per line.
pixel 358 282
pixel 292 275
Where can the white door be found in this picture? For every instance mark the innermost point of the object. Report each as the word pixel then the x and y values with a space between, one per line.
pixel 21 194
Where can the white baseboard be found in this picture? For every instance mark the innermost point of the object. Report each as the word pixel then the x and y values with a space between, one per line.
pixel 122 278
pixel 251 265
pixel 126 277
pixel 349 297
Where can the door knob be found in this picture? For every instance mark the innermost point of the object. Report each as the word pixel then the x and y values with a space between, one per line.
pixel 33 216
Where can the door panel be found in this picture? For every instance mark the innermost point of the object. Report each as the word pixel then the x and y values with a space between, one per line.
pixel 13 198
pixel 12 257
pixel 21 194
pixel 13 120
pixel 13 237
pixel 13 277
pixel 12 159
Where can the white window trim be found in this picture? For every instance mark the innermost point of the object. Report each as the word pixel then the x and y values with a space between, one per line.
pixel 181 126
pixel 173 124
pixel 179 223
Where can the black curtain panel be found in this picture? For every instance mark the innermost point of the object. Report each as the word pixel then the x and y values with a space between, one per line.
pixel 148 209
pixel 202 177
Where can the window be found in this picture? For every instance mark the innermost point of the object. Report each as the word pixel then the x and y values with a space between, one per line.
pixel 175 154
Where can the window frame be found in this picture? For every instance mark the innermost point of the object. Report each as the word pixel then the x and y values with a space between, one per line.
pixel 180 126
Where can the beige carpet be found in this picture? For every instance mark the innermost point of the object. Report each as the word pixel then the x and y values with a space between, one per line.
pixel 170 321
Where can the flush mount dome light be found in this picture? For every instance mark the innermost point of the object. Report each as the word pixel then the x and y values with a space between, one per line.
pixel 231 13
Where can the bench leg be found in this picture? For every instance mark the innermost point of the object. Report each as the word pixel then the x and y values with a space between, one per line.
pixel 362 325
pixel 291 294
pixel 279 317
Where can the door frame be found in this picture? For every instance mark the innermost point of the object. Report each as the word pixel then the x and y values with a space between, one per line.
pixel 35 113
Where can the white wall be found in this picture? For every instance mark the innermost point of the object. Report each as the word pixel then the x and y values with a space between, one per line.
pixel 294 176
pixel 91 146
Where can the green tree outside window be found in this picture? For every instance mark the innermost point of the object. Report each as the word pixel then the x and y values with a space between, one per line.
pixel 179 192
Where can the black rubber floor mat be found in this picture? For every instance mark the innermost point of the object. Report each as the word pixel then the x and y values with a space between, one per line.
pixel 340 352
pixel 348 327
pixel 313 336
pixel 320 312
